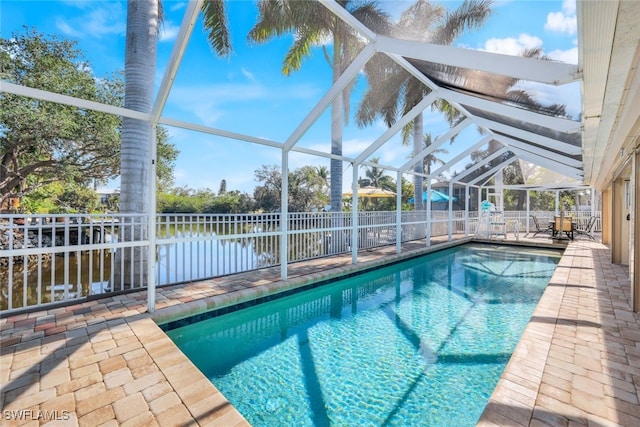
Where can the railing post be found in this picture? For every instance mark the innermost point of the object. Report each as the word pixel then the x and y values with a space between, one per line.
pixel 399 213
pixel 428 231
pixel 466 210
pixel 354 215
pixel 284 217
pixel 450 211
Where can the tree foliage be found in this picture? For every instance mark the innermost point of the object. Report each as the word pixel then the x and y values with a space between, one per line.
pixel 43 142
pixel 307 189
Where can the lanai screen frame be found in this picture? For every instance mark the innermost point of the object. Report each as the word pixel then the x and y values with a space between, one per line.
pixel 523 144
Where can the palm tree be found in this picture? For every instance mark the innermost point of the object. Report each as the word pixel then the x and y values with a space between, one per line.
pixel 323 174
pixel 376 176
pixel 313 24
pixel 431 158
pixel 423 21
pixel 143 23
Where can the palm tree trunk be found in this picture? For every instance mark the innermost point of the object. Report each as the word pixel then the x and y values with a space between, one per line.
pixel 336 133
pixel 140 69
pixel 336 148
pixel 418 169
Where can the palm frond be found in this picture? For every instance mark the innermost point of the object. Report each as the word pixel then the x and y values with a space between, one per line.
pixel 471 14
pixel 216 23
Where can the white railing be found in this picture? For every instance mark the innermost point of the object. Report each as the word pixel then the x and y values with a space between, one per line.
pixel 51 258
pixel 45 259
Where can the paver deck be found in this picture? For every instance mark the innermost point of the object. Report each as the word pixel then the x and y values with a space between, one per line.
pixel 106 362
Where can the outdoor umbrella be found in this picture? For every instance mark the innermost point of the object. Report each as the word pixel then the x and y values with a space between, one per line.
pixel 370 192
pixel 436 196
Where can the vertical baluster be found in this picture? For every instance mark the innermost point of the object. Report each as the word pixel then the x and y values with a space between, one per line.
pixel 39 284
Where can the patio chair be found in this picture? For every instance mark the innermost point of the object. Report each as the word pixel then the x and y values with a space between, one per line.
pixel 541 228
pixel 564 224
pixel 587 230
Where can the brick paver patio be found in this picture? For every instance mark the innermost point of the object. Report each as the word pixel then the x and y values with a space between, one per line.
pixel 106 362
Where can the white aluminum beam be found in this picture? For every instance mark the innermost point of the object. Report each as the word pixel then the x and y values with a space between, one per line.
pixel 543 187
pixel 493 171
pixel 437 143
pixel 518 67
pixel 547 163
pixel 352 70
pixel 556 123
pixel 72 101
pixel 186 28
pixel 349 19
pixel 219 132
pixel 397 126
pixel 478 165
pixel 462 155
pixel 529 136
pixel 510 142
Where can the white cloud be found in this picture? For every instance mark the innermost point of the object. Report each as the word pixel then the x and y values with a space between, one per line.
pixel 209 102
pixel 105 19
pixel 570 56
pixel 249 75
pixel 569 7
pixel 568 95
pixel 168 32
pixel 564 21
pixel 177 6
pixel 511 45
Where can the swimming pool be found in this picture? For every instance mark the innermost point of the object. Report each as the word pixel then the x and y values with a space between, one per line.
pixel 422 342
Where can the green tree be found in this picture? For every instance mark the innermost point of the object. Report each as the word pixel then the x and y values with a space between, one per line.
pixel 432 158
pixel 376 177
pixel 77 198
pixel 230 202
pixel 305 189
pixel 393 91
pixel 42 142
pixel 313 24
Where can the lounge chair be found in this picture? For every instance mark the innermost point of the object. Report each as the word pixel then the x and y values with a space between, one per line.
pixel 540 228
pixel 587 230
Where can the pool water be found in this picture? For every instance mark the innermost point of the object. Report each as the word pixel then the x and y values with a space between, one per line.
pixel 422 342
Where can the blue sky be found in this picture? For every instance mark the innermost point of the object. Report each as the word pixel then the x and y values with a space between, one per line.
pixel 248 94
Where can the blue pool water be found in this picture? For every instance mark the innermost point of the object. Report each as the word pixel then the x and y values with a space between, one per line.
pixel 419 343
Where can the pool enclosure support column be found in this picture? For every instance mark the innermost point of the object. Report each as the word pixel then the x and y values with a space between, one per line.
pixel 428 210
pixel 634 228
pixel 151 223
pixel 450 229
pixel 184 34
pixel 557 211
pixel 528 210
pixel 354 214
pixel 399 212
pixel 466 210
pixel 284 217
